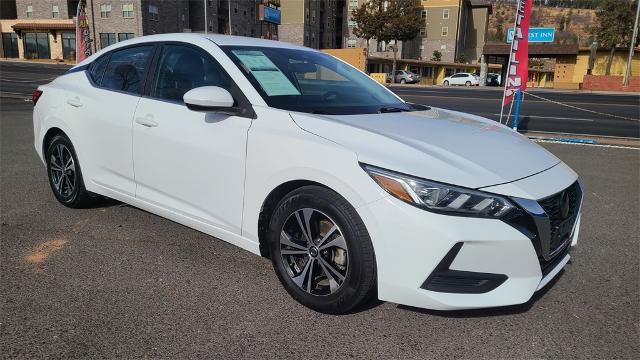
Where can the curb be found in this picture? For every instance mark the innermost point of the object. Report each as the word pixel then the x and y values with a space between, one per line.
pixel 583 139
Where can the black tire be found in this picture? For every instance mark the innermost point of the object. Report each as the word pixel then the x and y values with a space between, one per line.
pixel 359 282
pixel 403 81
pixel 445 83
pixel 468 83
pixel 71 191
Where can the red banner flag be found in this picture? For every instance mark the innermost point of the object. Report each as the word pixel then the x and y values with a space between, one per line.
pixel 83 36
pixel 518 69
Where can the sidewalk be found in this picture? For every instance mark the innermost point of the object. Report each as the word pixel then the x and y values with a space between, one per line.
pixel 38 61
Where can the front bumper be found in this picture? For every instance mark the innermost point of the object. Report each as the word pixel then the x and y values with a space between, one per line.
pixel 411 245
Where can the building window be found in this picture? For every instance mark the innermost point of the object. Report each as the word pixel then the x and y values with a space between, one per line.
pixel 153 13
pixel 445 13
pixel 427 71
pixel 351 43
pixel 30 11
pixel 306 14
pixel 127 10
pixel 125 36
pixel 445 31
pixel 10 44
pixel 209 3
pixel 36 46
pixel 105 11
pixel 55 11
pixel 107 39
pixel 424 13
pixel 353 4
pixel 423 31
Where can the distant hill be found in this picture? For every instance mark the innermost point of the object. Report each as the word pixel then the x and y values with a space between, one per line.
pixel 573 25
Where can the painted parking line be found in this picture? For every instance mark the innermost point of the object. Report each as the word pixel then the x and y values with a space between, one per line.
pixel 550 117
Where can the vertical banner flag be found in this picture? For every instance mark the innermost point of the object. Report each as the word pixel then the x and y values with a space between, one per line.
pixel 83 36
pixel 518 69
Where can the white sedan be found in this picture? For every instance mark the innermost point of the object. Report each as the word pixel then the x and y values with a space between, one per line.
pixel 294 155
pixel 465 79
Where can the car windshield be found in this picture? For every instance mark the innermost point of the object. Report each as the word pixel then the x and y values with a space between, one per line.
pixel 312 82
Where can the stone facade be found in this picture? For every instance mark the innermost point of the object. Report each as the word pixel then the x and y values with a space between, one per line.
pixel 43 9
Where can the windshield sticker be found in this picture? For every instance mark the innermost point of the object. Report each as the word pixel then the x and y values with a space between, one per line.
pixel 270 78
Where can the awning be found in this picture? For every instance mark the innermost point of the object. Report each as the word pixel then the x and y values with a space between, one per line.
pixel 44 26
pixel 540 50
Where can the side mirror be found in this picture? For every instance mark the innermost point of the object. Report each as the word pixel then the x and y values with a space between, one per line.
pixel 210 99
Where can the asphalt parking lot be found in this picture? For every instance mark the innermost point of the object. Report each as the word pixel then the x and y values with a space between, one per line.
pixel 115 281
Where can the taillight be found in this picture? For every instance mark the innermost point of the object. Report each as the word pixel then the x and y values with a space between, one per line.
pixel 35 96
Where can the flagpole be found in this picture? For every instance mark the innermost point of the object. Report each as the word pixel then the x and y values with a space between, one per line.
pixel 506 78
pixel 77 28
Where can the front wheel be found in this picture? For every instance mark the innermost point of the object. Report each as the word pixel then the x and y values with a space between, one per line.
pixel 403 81
pixel 321 250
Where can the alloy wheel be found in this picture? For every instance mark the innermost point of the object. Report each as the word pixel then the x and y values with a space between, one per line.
pixel 314 252
pixel 63 170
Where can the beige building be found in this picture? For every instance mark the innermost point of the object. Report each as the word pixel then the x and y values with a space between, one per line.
pixel 452 27
pixel 314 23
pixel 455 28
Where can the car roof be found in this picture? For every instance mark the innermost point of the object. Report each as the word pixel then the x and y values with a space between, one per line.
pixel 219 39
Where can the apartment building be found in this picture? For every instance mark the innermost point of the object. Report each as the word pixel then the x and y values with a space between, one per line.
pixel 45 29
pixel 452 27
pixel 317 24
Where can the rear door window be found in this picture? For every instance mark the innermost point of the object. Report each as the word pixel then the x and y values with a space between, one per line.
pixel 127 69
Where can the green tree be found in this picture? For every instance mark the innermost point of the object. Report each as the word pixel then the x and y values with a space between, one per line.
pixel 615 26
pixel 369 21
pixel 437 56
pixel 402 22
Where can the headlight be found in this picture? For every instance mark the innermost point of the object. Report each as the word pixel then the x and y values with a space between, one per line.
pixel 440 198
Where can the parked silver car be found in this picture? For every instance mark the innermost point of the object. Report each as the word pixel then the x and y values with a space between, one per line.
pixel 404 77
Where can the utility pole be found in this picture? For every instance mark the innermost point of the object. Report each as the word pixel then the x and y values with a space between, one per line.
pixel 633 42
pixel 229 4
pixel 206 24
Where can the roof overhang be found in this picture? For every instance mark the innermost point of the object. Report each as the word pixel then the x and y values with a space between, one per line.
pixel 537 50
pixel 43 26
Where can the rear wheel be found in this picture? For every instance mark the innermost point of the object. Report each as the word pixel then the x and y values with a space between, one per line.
pixel 468 83
pixel 445 83
pixel 321 250
pixel 64 173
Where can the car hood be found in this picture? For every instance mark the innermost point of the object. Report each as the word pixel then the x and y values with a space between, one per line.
pixel 437 144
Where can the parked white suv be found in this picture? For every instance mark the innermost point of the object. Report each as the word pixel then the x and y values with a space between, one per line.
pixel 292 154
pixel 461 79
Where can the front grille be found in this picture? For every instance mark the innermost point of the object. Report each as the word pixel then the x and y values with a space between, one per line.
pixel 561 226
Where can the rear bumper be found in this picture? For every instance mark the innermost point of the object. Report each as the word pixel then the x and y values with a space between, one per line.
pixel 495 265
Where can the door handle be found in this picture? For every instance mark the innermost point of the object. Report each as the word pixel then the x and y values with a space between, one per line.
pixel 146 121
pixel 75 102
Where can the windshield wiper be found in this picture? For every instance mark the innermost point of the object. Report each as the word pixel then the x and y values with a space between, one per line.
pixel 390 109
